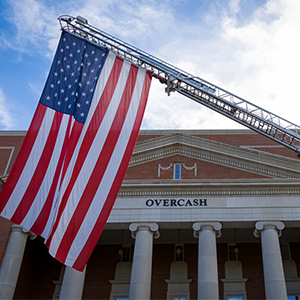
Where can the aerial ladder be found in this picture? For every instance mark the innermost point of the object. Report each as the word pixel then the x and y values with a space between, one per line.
pixel 236 108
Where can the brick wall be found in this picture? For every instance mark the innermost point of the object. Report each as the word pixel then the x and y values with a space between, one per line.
pixel 163 255
pixel 100 269
pixel 205 170
pixel 295 250
pixel 37 273
pixel 250 256
pixel 39 270
pixel 253 140
pixel 11 141
pixel 4 236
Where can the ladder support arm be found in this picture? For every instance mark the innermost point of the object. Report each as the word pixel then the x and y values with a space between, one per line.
pixel 236 108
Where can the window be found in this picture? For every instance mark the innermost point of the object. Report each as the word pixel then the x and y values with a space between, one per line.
pixel 179 251
pixel 285 252
pixel 126 255
pixel 235 298
pixel 58 283
pixel 177 171
pixel 233 252
pixel 293 298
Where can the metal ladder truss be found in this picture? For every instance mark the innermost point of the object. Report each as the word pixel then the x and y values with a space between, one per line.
pixel 193 87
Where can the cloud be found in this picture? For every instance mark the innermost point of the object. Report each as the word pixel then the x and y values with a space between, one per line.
pixel 255 57
pixel 234 6
pixel 34 24
pixel 177 111
pixel 6 116
pixel 262 56
pixel 36 88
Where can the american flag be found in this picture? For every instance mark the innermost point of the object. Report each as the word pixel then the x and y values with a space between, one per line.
pixel 74 157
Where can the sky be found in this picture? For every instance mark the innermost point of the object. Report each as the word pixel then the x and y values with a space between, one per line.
pixel 247 47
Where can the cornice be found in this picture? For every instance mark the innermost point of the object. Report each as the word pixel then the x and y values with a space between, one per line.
pixel 160 188
pixel 195 131
pixel 13 132
pixel 245 159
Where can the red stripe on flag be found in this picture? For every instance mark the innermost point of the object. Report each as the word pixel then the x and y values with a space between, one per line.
pixel 74 137
pixel 90 135
pixel 99 169
pixel 23 155
pixel 40 223
pixel 40 171
pixel 90 244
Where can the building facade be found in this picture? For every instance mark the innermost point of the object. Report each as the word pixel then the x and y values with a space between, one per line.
pixel 200 215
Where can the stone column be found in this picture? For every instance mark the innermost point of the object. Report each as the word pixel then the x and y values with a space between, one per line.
pixel 12 260
pixel 140 282
pixel 72 285
pixel 207 232
pixel 272 262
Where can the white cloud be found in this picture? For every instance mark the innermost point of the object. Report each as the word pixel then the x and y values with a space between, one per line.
pixel 36 88
pixel 6 117
pixel 36 26
pixel 263 64
pixel 234 6
pixel 256 58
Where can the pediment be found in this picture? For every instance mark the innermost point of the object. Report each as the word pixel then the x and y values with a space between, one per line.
pixel 203 150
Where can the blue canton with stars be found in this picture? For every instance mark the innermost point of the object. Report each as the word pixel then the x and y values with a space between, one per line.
pixel 73 76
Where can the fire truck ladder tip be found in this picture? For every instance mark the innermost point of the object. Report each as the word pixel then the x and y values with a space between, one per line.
pixel 236 108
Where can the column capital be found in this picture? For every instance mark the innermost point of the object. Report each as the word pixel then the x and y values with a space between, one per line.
pixel 151 226
pixel 215 226
pixel 21 229
pixel 262 225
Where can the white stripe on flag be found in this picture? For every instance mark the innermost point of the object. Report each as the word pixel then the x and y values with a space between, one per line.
pixel 68 173
pixel 45 186
pixel 51 219
pixel 96 97
pixel 30 166
pixel 88 166
pixel 109 175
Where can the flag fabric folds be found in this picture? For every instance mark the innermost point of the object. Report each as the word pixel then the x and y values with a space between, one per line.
pixel 74 157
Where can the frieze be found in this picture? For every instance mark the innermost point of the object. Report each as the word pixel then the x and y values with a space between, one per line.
pixel 213 192
pixel 173 202
pixel 214 159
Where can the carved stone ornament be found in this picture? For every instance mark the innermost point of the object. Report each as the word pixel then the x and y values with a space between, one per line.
pixel 191 168
pixel 215 226
pixel 20 228
pixel 153 227
pixel 162 168
pixel 262 225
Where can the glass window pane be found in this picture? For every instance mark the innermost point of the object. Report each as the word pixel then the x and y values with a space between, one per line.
pixel 177 171
pixel 126 254
pixel 235 298
pixel 285 252
pixel 179 251
pixel 232 253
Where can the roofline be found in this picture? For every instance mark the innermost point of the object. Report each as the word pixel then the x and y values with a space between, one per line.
pixel 13 132
pixel 195 132
pixel 157 132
